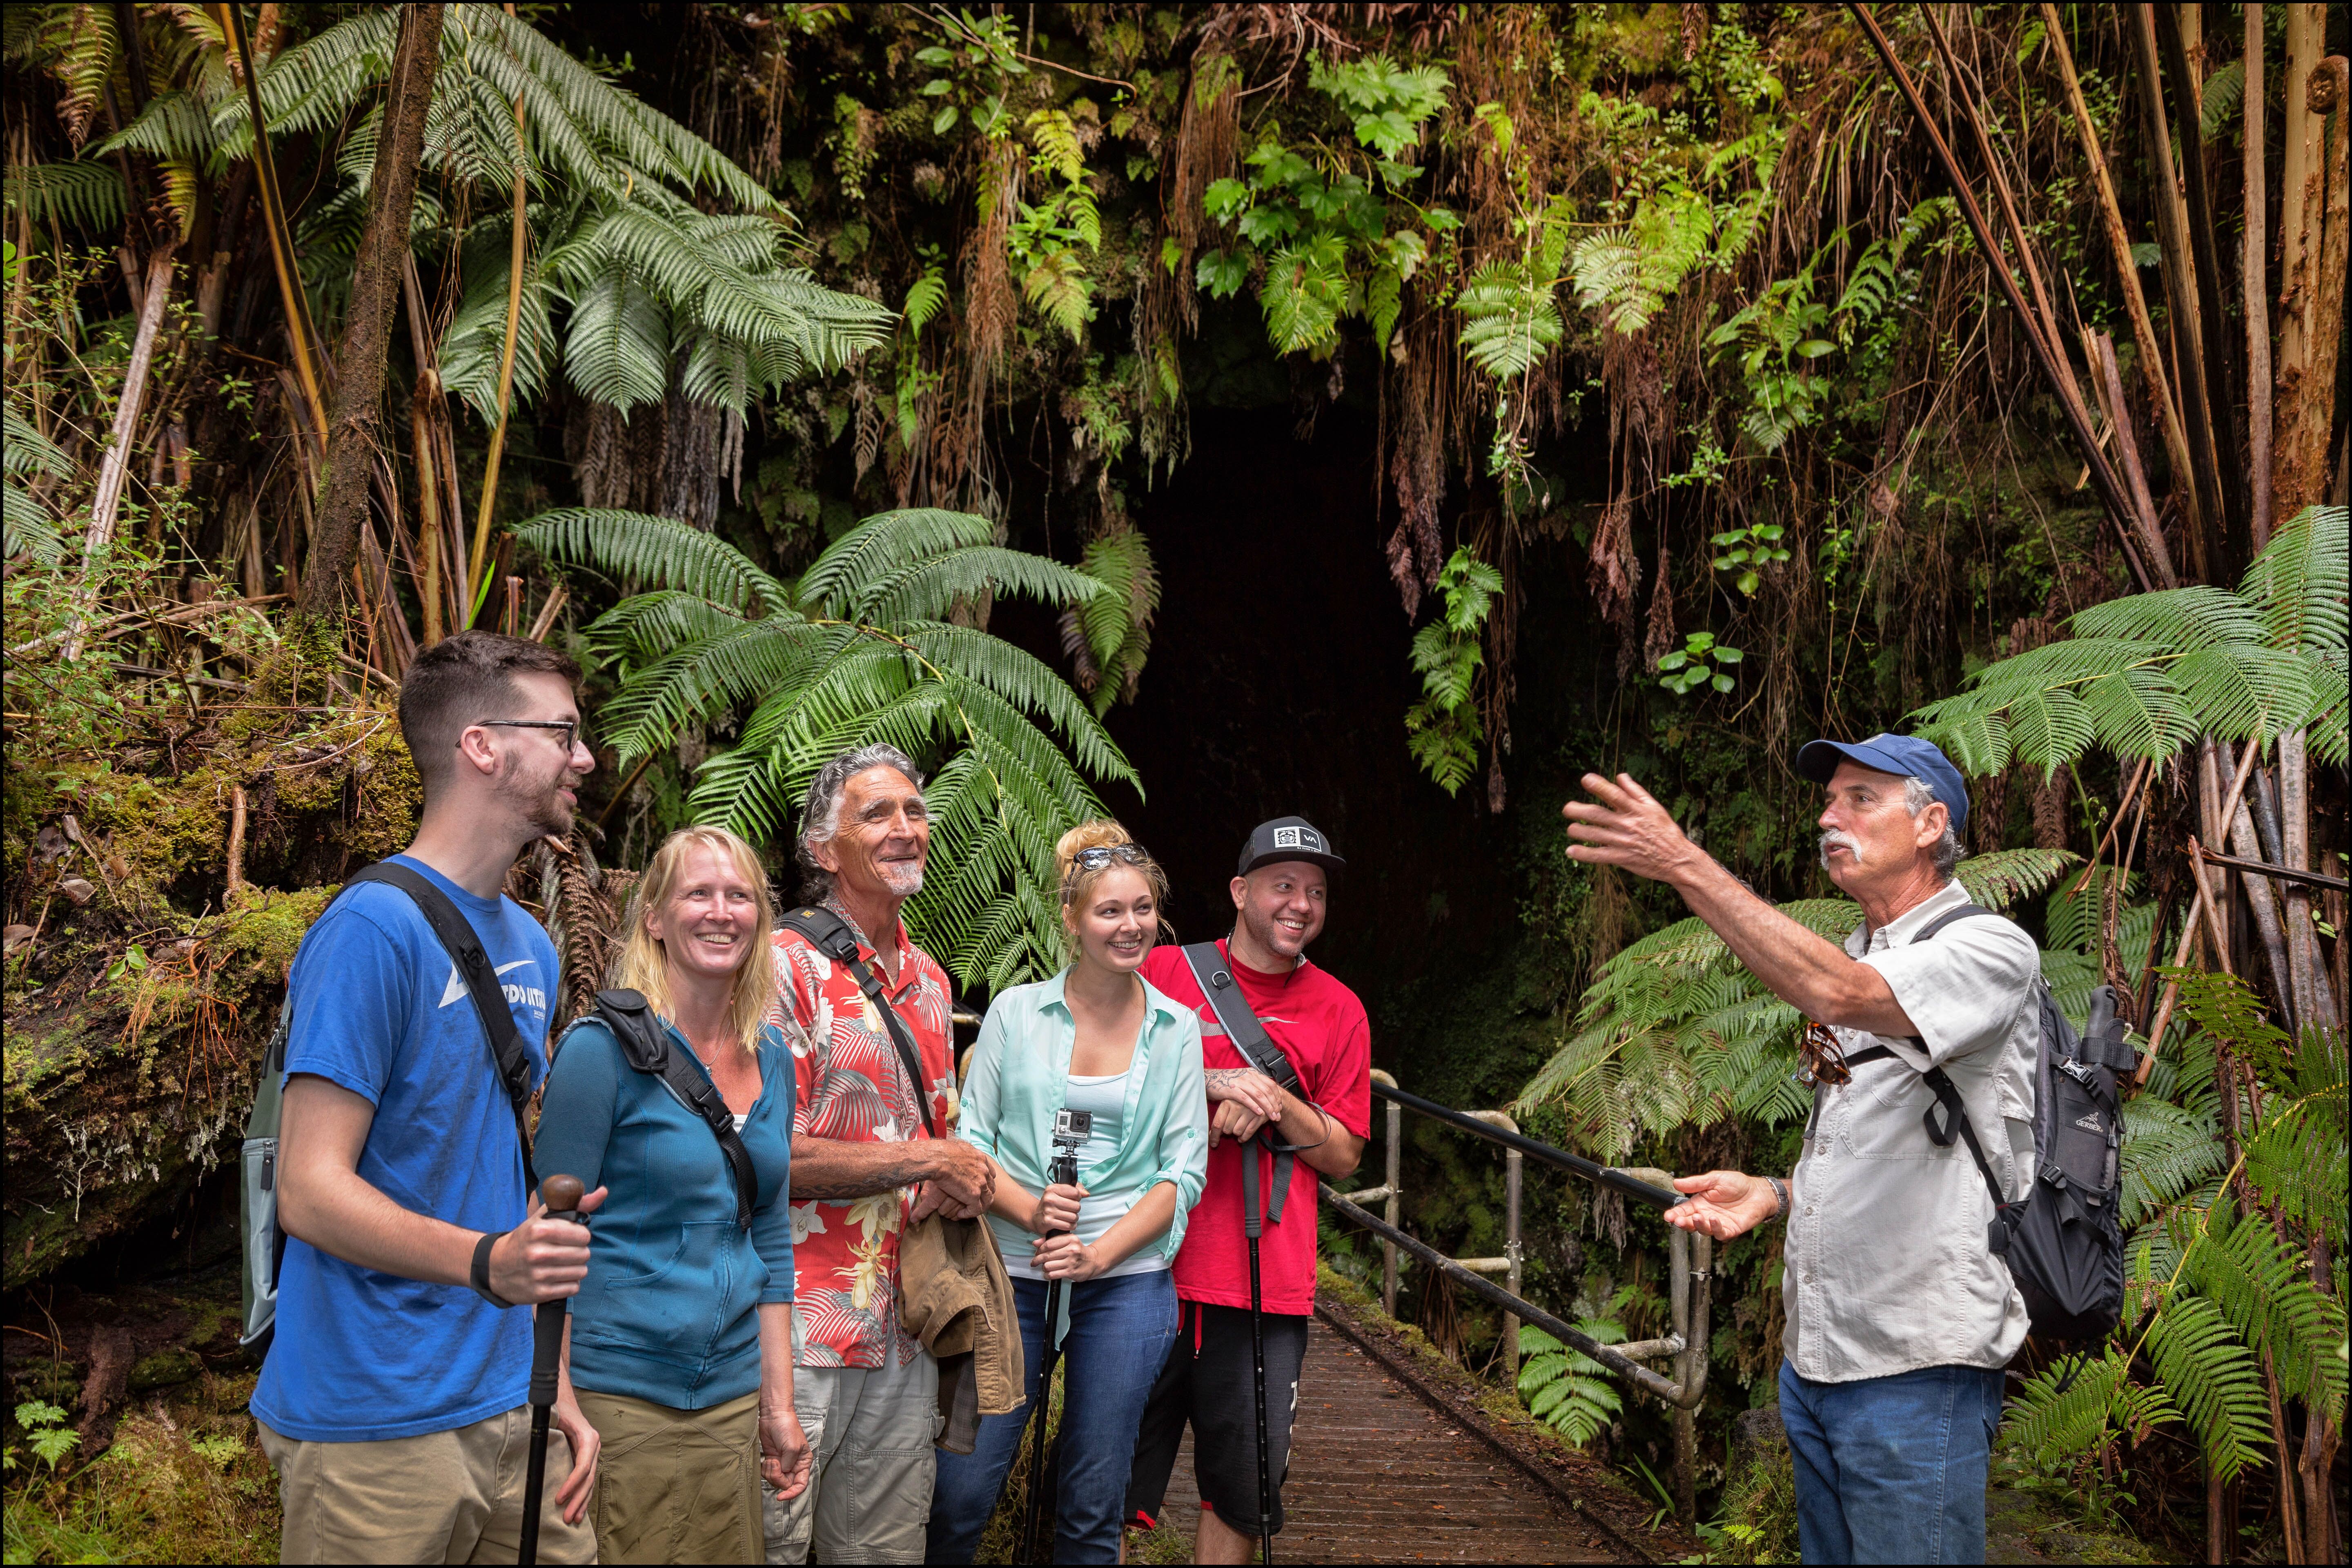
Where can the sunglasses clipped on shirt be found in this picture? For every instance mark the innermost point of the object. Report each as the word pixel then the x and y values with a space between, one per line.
pixel 1820 1058
pixel 575 732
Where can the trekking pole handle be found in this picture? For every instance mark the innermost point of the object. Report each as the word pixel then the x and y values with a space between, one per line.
pixel 562 1195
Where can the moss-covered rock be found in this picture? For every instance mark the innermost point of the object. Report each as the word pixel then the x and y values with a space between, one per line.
pixel 122 1090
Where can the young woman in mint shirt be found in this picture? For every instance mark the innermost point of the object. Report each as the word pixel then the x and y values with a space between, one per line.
pixel 680 1339
pixel 1097 1038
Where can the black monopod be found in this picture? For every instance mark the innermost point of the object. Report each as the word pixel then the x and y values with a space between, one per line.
pixel 562 1195
pixel 1253 1224
pixel 1071 1129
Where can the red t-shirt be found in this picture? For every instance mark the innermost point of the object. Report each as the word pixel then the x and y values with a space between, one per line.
pixel 1321 1027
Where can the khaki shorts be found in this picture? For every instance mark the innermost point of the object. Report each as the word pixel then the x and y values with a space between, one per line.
pixel 675 1486
pixel 444 1497
pixel 870 1431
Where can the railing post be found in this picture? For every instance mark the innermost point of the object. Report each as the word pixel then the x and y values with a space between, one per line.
pixel 1512 1164
pixel 1388 1248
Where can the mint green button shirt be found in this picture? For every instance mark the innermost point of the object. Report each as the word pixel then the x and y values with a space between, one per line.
pixel 1019 1077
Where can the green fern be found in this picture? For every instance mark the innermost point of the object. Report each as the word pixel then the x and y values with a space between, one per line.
pixel 2144 674
pixel 861 650
pixel 26 527
pixel 1509 319
pixel 1566 1389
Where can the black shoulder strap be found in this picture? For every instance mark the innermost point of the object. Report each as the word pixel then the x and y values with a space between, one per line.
pixel 465 950
pixel 1955 1121
pixel 1212 972
pixel 646 1046
pixel 830 935
pixel 1249 1035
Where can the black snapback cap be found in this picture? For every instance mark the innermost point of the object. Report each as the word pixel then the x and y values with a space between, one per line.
pixel 1287 838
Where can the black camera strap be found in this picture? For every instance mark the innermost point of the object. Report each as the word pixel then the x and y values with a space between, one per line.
pixel 465 949
pixel 644 1045
pixel 830 935
pixel 1213 971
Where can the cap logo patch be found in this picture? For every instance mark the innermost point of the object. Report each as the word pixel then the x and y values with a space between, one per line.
pixel 1286 838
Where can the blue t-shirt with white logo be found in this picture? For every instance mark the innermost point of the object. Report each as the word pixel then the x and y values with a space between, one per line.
pixel 380 1009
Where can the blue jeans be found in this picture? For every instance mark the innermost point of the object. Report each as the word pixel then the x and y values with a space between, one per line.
pixel 1892 1469
pixel 1119 1333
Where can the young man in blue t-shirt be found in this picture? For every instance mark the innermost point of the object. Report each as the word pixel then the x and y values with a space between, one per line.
pixel 393 1401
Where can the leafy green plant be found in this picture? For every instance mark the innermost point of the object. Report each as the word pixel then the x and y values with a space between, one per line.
pixel 46 1433
pixel 1108 636
pixel 867 646
pixel 26 527
pixel 1747 551
pixel 1566 1389
pixel 1046 237
pixel 1444 726
pixel 1700 661
pixel 1319 229
pixel 2143 675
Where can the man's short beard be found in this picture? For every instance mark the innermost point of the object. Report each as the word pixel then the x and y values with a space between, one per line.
pixel 903 877
pixel 1840 837
pixel 541 806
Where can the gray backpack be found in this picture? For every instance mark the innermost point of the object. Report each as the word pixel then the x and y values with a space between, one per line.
pixel 263 1241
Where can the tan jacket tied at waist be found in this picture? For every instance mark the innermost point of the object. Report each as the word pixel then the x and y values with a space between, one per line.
pixel 955 1297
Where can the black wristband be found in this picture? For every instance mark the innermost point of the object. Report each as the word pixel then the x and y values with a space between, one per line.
pixel 481 1273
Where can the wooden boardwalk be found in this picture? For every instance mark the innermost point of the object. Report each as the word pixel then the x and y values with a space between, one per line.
pixel 1379 1475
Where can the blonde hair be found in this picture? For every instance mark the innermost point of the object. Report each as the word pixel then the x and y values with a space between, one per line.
pixel 1079 883
pixel 643 964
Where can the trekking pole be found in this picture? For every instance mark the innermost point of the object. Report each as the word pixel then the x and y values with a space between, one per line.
pixel 1253 1222
pixel 1070 1130
pixel 562 1195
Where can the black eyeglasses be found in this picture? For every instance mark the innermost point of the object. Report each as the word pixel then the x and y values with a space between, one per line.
pixel 1102 855
pixel 575 732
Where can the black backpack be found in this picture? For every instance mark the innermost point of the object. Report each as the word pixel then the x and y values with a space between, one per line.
pixel 2061 1240
pixel 645 1046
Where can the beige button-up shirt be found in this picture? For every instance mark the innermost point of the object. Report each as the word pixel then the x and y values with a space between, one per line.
pixel 1885 1269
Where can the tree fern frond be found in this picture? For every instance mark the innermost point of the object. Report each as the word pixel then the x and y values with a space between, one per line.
pixel 76 195
pixel 2213 1380
pixel 888 541
pixel 2181 619
pixel 629 544
pixel 2296 586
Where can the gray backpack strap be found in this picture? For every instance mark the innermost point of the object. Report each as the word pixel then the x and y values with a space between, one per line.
pixel 1211 972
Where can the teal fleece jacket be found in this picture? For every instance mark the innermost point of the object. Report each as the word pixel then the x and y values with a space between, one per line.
pixel 669 1311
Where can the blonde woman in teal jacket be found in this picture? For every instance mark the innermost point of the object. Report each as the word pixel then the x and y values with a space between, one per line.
pixel 1098 1039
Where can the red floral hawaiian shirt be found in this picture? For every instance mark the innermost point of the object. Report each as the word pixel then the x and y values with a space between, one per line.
pixel 854 1087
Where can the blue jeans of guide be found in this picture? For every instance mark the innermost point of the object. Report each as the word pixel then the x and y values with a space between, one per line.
pixel 1892 1469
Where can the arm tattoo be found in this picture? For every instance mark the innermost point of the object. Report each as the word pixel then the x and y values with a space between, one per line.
pixel 1225 1077
pixel 902 1167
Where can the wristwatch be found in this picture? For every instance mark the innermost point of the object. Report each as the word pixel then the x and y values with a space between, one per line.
pixel 1780 1191
pixel 481 1272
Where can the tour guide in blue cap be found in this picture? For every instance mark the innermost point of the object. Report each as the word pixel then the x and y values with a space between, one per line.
pixel 1900 1318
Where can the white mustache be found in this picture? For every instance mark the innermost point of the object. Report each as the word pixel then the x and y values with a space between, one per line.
pixel 1838 837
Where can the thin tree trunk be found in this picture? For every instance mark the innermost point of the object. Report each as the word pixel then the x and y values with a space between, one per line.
pixel 2312 290
pixel 2253 269
pixel 299 333
pixel 2262 901
pixel 2314 1002
pixel 114 470
pixel 2300 152
pixel 2220 365
pixel 375 282
pixel 2181 283
pixel 426 452
pixel 2108 383
pixel 2151 353
pixel 478 585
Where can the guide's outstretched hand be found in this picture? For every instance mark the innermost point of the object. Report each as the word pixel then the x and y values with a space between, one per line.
pixel 1722 1204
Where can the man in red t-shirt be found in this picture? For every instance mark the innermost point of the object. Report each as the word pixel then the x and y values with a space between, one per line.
pixel 1280 894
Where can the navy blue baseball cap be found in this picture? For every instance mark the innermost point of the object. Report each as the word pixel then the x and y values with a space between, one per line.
pixel 1289 838
pixel 1905 756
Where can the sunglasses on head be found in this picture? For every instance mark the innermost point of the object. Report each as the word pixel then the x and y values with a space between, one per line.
pixel 1102 855
pixel 1820 1058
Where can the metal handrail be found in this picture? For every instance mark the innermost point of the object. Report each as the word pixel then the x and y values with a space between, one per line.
pixel 1689 1307
pixel 1592 1170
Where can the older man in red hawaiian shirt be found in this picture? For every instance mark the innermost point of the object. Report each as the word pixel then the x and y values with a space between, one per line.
pixel 863 1166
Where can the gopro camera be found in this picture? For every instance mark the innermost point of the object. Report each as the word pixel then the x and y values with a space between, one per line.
pixel 1073 1126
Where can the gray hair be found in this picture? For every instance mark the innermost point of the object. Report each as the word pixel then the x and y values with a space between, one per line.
pixel 821 810
pixel 1945 853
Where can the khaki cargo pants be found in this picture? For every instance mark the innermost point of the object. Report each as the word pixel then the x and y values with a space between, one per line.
pixel 444 1497
pixel 870 1432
